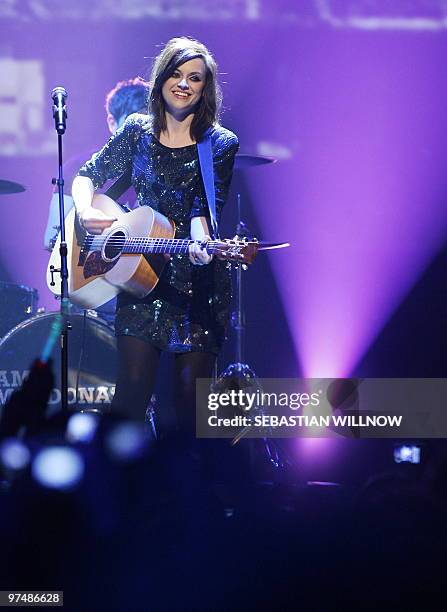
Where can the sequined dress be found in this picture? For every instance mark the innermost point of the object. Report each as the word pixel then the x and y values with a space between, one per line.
pixel 188 309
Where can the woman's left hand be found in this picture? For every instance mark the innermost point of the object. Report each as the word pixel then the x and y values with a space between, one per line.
pixel 198 254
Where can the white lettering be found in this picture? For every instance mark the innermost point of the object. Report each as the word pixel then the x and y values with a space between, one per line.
pixel 55 397
pixel 102 396
pixel 18 377
pixel 86 395
pixel 5 395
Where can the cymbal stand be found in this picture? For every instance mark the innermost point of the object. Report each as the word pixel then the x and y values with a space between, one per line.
pixel 239 371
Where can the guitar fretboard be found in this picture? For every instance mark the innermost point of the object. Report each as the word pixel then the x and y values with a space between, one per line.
pixel 157 245
pixel 168 246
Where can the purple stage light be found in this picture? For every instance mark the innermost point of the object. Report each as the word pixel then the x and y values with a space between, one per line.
pixel 362 198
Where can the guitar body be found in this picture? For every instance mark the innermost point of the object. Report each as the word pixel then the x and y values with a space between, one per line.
pixel 95 276
pixel 130 255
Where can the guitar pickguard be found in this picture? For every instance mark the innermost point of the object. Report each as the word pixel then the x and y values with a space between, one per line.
pixel 95 265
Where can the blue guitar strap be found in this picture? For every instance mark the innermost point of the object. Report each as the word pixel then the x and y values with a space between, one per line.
pixel 205 151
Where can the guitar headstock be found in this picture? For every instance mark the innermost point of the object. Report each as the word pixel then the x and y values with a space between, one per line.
pixel 237 250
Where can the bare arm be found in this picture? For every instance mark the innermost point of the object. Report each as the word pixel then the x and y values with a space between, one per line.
pixel 82 192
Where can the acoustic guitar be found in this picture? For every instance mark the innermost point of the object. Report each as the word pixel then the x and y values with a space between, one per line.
pixel 129 255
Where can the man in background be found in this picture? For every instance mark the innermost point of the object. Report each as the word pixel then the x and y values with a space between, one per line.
pixel 125 98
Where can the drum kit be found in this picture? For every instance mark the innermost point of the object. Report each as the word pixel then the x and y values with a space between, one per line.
pixel 24 330
pixel 92 357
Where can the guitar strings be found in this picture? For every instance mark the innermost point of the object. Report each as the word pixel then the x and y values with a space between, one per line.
pixel 160 245
pixel 172 241
pixel 97 241
pixel 94 238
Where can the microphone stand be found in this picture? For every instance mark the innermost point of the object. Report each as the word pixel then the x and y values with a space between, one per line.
pixel 59 117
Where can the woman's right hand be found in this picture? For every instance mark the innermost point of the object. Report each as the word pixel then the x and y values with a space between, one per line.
pixel 94 220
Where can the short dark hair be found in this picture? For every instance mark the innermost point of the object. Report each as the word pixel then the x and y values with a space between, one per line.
pixel 176 52
pixel 127 97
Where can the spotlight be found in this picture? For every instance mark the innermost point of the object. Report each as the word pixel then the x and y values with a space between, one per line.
pixel 81 427
pixel 58 467
pixel 14 454
pixel 407 453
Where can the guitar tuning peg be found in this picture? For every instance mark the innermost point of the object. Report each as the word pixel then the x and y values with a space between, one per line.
pixel 244 267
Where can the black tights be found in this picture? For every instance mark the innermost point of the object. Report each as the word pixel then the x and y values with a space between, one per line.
pixel 137 370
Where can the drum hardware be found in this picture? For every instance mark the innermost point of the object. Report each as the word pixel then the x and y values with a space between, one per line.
pixel 240 375
pixel 8 187
pixel 243 161
pixel 91 410
pixel 81 353
pixel 151 411
pixel 91 312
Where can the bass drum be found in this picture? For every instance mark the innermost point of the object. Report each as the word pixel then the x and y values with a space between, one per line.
pixel 17 303
pixel 92 360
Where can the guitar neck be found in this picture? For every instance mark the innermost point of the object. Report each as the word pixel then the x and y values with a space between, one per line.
pixel 164 246
pixel 143 246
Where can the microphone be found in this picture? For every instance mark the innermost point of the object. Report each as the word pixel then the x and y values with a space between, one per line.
pixel 59 96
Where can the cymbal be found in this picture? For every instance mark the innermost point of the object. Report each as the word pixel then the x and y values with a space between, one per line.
pixel 270 246
pixel 10 187
pixel 243 161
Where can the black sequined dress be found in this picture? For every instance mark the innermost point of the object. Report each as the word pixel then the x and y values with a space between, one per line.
pixel 188 309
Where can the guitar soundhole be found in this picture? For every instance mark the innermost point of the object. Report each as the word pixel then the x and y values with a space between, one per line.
pixel 114 245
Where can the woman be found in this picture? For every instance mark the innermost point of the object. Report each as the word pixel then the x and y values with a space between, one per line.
pixel 188 310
